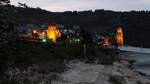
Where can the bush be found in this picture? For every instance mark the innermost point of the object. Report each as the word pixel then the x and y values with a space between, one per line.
pixel 116 79
pixel 102 55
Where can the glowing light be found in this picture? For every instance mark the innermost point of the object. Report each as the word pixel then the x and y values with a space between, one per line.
pixel 119 36
pixel 44 40
pixel 43 33
pixel 34 31
pixel 65 30
pixel 53 33
pixel 106 42
pixel 77 40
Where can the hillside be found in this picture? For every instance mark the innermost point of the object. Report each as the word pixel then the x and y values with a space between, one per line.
pixel 135 23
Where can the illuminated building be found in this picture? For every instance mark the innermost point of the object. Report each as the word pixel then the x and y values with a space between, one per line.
pixel 106 41
pixel 34 31
pixel 53 33
pixel 34 34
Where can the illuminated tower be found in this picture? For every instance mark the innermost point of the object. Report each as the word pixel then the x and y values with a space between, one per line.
pixel 119 36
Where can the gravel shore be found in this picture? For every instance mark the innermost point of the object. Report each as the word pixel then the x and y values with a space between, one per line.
pixel 82 73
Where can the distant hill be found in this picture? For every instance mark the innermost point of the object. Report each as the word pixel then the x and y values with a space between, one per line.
pixel 136 24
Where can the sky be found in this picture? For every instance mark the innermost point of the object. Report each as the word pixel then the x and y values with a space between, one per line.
pixel 80 5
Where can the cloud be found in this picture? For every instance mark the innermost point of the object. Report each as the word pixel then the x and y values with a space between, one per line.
pixel 65 5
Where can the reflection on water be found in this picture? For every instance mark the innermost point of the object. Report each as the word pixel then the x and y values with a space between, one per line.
pixel 135 49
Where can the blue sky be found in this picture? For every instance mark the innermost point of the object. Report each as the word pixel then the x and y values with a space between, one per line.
pixel 79 5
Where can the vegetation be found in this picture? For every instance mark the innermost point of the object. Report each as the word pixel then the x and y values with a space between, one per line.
pixel 48 60
pixel 116 79
pixel 7 37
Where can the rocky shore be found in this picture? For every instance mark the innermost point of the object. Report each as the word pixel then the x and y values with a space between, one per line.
pixel 82 73
pixel 79 72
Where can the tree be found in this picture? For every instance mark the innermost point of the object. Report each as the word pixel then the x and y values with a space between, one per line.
pixel 4 2
pixel 7 37
pixel 22 5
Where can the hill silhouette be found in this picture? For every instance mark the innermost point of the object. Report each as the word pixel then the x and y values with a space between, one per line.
pixel 136 24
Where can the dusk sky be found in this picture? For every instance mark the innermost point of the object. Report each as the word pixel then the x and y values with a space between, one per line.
pixel 80 5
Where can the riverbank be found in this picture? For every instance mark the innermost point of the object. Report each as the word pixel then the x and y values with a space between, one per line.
pixel 135 49
pixel 83 73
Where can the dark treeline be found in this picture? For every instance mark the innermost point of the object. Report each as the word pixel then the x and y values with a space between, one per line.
pixel 136 24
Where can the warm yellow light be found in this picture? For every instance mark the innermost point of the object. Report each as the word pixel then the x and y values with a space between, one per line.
pixel 119 36
pixel 106 42
pixel 43 33
pixel 34 31
pixel 119 30
pixel 53 33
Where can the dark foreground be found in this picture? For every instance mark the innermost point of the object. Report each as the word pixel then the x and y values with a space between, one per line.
pixel 33 63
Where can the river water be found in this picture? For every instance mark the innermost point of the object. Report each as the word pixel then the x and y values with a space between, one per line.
pixel 141 56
